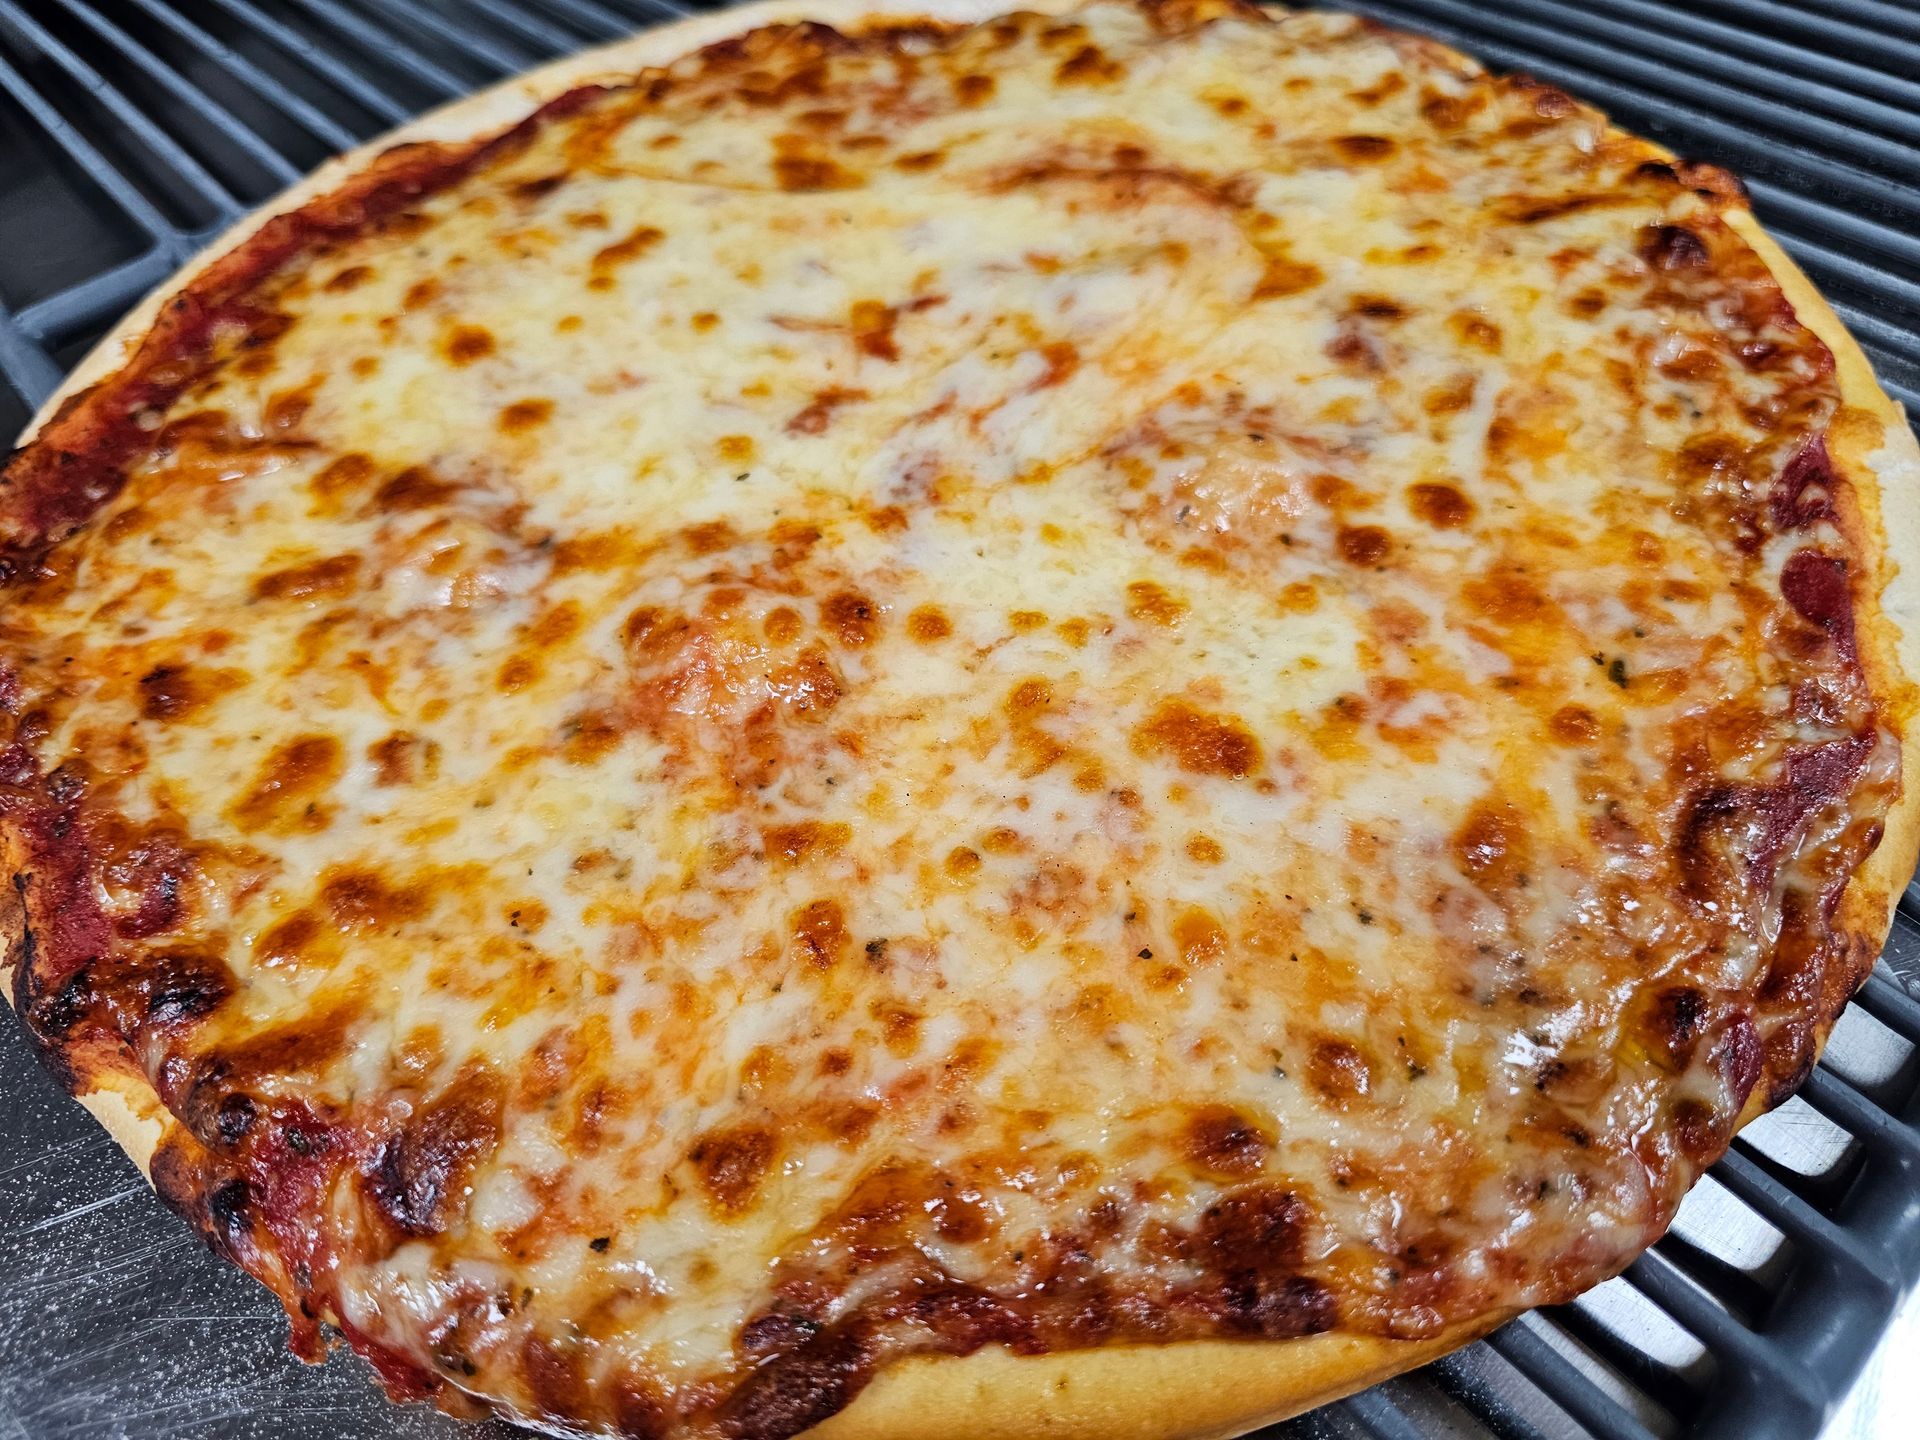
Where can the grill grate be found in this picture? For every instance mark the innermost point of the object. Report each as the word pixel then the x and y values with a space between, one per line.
pixel 133 131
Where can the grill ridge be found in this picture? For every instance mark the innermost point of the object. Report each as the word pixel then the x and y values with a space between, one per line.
pixel 1816 103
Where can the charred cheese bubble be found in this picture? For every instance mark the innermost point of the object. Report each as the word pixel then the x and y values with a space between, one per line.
pixel 1161 674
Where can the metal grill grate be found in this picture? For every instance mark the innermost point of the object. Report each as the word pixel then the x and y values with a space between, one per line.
pixel 132 131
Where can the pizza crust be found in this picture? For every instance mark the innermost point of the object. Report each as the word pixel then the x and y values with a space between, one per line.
pixel 1198 1389
pixel 1873 446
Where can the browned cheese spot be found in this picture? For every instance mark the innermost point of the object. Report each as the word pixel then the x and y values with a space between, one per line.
pixel 351 278
pixel 1442 506
pixel 1199 742
pixel 414 488
pixel 1364 149
pixel 1199 937
pixel 1088 65
pixel 360 901
pixel 1507 595
pixel 1338 1073
pixel 400 758
pixel 1151 602
pixel 287 942
pixel 1450 397
pixel 1574 725
pixel 337 477
pixel 1062 359
pixel 1299 597
pixel 852 618
pixel 928 624
pixel 782 625
pixel 589 737
pixel 818 414
pixel 1227 1143
pixel 467 344
pixel 1672 247
pixel 636 243
pixel 794 844
pixel 812 172
pixel 176 692
pixel 973 89
pixel 418 1176
pixel 528 191
pixel 287 794
pixel 732 1163
pixel 1588 303
pixel 328 578
pixel 1476 330
pixel 820 934
pixel 1492 847
pixel 524 415
pixel 872 325
pixel 1284 276
pixel 1366 545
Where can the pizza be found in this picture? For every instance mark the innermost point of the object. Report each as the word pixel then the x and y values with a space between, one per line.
pixel 1095 721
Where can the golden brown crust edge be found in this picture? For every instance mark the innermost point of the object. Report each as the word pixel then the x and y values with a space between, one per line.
pixel 1193 1390
pixel 1873 449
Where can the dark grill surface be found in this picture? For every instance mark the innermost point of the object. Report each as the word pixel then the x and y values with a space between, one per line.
pixel 132 131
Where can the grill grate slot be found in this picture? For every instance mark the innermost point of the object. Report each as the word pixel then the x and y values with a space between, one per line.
pixel 1524 1348
pixel 145 126
pixel 221 59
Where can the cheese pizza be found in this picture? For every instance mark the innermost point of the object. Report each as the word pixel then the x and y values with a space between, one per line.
pixel 1091 722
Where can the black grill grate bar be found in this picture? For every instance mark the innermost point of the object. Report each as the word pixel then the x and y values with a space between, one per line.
pixel 93 303
pixel 1463 1377
pixel 81 152
pixel 378 41
pixel 310 118
pixel 1817 32
pixel 1813 1233
pixel 668 9
pixel 1860 233
pixel 1732 135
pixel 610 24
pixel 162 146
pixel 384 40
pixel 187 93
pixel 1533 1357
pixel 1854 1112
pixel 344 78
pixel 1719 38
pixel 1875 14
pixel 1883 998
pixel 535 27
pixel 1621 47
pixel 1376 1414
pixel 27 368
pixel 1746 1360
